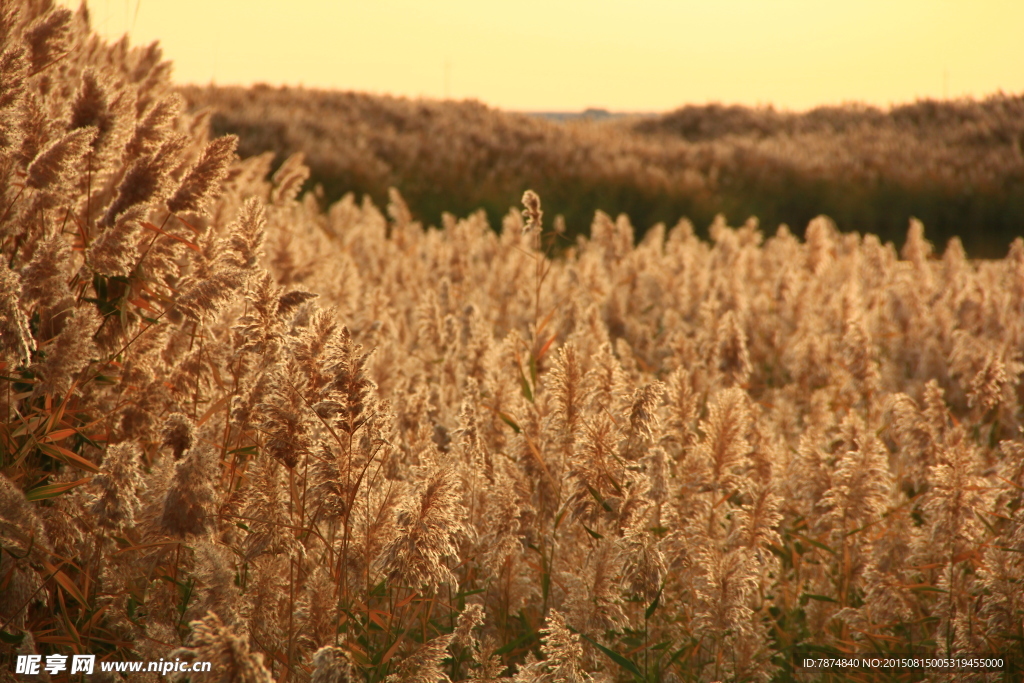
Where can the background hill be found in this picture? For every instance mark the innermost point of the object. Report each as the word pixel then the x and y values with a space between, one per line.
pixel 955 165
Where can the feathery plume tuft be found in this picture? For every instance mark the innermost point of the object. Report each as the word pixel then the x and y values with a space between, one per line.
pixel 92 108
pixel 568 391
pixel 730 352
pixel 20 526
pixel 179 434
pixel 14 326
pixel 113 253
pixel 725 450
pixel 68 354
pixel 59 159
pixel 202 296
pixel 332 665
pixel 47 37
pixel 202 180
pixel 190 499
pixel 986 387
pixel 532 212
pixel 13 71
pixel 289 179
pixel 562 651
pixel 153 127
pixel 119 481
pixel 231 657
pixel 469 619
pixel 916 249
pixel 44 279
pixel 144 179
pixel 24 539
pixel 428 525
pixel 10 13
pixel 424 665
pixel 246 238
pixel 643 419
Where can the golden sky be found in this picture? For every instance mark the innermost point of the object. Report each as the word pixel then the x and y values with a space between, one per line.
pixel 566 55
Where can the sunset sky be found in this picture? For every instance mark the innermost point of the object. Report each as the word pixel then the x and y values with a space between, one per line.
pixel 566 55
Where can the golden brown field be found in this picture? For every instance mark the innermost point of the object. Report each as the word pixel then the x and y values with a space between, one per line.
pixel 333 445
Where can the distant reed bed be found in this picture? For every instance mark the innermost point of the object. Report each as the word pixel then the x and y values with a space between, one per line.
pixel 955 165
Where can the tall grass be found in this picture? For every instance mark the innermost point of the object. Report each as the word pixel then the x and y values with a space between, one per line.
pixel 334 446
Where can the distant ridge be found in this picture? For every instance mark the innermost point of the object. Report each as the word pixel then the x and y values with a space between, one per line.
pixel 590 114
pixel 957 166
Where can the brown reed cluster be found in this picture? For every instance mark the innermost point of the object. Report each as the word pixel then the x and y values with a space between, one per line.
pixel 335 446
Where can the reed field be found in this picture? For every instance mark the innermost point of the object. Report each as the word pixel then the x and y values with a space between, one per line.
pixel 331 444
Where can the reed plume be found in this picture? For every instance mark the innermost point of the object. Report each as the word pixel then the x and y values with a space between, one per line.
pixel 230 654
pixel 429 524
pixel 190 500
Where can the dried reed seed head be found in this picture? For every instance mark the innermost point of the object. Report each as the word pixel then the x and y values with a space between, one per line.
pixel 44 278
pixel 178 433
pixel 210 294
pixel 20 526
pixel 428 525
pixel 141 182
pixel 262 329
pixel 113 252
pixel 563 653
pixel 731 355
pixel 725 583
pixel 19 343
pixel 215 570
pixel 59 159
pixel 292 300
pixel 532 213
pixel 569 388
pixel 13 70
pixel 202 181
pixel 229 653
pixel 955 256
pixel 861 482
pixel 92 107
pixel 916 249
pixel 288 179
pixel 153 127
pixel 644 567
pixel 821 238
pixel 119 480
pixel 424 665
pixel 397 209
pixel 47 37
pixel 286 425
pixel 189 503
pixel 657 472
pixel 247 233
pixel 333 664
pixel 642 416
pixel 70 353
pixel 986 388
pixel 10 13
pixel 22 591
pixel 469 618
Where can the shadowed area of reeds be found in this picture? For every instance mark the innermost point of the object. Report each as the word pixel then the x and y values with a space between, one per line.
pixel 329 445
pixel 957 166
